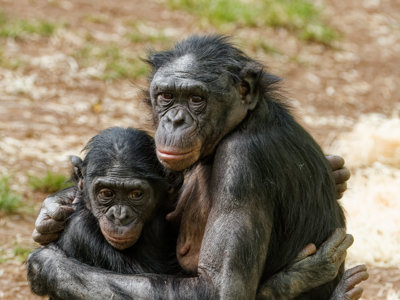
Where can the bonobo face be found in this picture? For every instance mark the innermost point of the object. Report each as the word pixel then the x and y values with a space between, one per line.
pixel 194 110
pixel 122 206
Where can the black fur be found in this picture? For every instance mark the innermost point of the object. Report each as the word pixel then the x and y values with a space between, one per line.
pixel 276 160
pixel 82 239
pixel 262 184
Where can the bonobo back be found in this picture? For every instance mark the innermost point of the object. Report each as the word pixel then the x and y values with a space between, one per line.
pixel 296 175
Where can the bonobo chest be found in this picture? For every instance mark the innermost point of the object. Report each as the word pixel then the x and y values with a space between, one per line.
pixel 193 208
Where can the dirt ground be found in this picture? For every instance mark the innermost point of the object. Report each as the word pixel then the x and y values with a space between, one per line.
pixel 52 104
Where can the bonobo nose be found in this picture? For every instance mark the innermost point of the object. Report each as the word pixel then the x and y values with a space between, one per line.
pixel 120 215
pixel 179 118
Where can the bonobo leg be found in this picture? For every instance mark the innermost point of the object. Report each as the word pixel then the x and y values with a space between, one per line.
pixel 314 268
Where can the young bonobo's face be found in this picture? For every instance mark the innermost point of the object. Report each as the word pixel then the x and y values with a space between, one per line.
pixel 122 206
pixel 194 110
pixel 122 182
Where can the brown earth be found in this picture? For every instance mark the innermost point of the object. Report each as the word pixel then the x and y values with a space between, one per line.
pixel 51 105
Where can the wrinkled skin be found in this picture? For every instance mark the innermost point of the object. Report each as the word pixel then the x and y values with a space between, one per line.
pixel 220 111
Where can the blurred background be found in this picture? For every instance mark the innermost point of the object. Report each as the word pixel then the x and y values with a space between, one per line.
pixel 69 68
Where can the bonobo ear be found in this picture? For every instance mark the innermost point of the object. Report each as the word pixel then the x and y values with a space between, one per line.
pixel 77 170
pixel 249 88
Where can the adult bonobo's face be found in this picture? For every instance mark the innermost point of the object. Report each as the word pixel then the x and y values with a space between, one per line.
pixel 195 106
pixel 122 206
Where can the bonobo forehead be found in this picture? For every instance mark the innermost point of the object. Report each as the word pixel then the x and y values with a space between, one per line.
pixel 121 182
pixel 187 72
pixel 122 172
pixel 183 64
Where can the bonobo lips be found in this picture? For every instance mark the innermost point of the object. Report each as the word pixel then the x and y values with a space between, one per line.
pixel 171 155
pixel 122 240
pixel 178 159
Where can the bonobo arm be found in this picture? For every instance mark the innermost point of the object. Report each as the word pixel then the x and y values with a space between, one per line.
pixel 219 276
pixel 52 273
pixel 52 216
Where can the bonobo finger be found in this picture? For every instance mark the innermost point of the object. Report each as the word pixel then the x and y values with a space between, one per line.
pixel 334 240
pixel 341 175
pixel 63 197
pixel 341 188
pixel 308 250
pixel 44 239
pixel 340 251
pixel 59 212
pixel 354 294
pixel 336 162
pixel 346 243
pixel 355 275
pixel 47 225
pixel 355 270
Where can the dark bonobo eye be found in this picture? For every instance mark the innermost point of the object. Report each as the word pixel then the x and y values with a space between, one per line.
pixel 106 194
pixel 136 194
pixel 197 103
pixel 164 99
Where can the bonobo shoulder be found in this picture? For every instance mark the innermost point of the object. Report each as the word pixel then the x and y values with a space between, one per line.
pixel 235 144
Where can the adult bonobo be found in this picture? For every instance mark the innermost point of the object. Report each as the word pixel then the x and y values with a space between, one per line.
pixel 257 187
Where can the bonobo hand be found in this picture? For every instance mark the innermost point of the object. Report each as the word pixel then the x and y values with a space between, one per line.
pixel 340 173
pixel 314 268
pixel 41 270
pixel 51 220
pixel 325 262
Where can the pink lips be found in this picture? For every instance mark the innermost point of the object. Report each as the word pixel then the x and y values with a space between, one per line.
pixel 166 155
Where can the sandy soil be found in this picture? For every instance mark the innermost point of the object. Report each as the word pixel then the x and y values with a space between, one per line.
pixel 52 104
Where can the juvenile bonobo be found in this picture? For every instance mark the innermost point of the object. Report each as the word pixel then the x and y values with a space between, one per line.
pixel 123 197
pixel 257 188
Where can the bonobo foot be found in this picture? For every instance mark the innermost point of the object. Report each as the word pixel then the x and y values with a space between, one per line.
pixel 347 289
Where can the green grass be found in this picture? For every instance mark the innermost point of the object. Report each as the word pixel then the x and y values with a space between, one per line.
pixel 3 256
pixel 115 63
pixel 9 62
pixel 16 252
pixel 320 34
pixel 49 183
pixel 22 28
pixel 299 16
pixel 20 252
pixel 255 45
pixel 96 18
pixel 10 202
pixel 145 35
